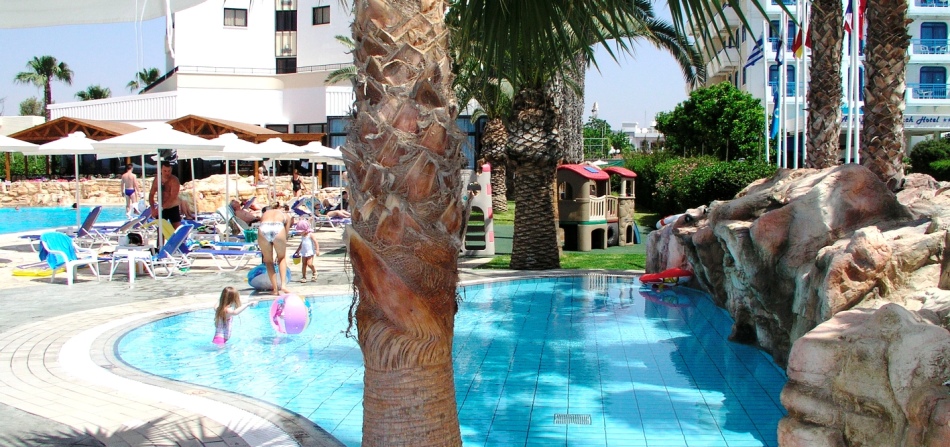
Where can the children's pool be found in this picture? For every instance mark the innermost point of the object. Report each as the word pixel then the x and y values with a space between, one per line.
pixel 627 367
pixel 44 218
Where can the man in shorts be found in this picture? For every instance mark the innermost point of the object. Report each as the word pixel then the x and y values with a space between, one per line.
pixel 130 189
pixel 170 188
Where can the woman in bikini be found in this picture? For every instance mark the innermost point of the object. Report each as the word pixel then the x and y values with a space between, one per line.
pixel 272 237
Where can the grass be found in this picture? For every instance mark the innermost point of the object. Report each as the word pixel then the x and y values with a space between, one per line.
pixel 577 261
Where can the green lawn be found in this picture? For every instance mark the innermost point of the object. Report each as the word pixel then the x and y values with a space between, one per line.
pixel 629 257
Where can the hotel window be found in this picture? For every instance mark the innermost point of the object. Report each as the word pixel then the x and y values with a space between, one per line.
pixel 321 15
pixel 285 21
pixel 235 17
pixel 310 128
pixel 282 128
pixel 286 65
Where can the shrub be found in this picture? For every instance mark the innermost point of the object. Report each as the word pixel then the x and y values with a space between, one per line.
pixel 941 170
pixel 926 153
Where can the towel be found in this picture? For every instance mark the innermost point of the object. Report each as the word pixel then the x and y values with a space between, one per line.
pixel 56 242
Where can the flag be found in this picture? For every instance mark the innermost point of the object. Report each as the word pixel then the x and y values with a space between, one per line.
pixel 756 54
pixel 775 114
pixel 797 48
pixel 849 17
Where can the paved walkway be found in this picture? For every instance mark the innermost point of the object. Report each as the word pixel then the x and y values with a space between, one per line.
pixel 61 384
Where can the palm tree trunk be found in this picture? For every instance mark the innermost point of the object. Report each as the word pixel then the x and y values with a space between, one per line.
pixel 572 126
pixel 494 145
pixel 533 153
pixel 882 150
pixel 824 93
pixel 403 157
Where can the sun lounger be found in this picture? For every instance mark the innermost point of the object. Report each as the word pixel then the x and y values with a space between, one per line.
pixel 85 232
pixel 169 256
pixel 226 256
pixel 59 250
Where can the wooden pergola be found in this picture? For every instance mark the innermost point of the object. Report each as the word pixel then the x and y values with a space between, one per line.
pixel 61 127
pixel 209 128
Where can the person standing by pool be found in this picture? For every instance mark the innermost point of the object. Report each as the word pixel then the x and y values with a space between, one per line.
pixel 309 247
pixel 130 189
pixel 229 305
pixel 296 184
pixel 170 188
pixel 272 239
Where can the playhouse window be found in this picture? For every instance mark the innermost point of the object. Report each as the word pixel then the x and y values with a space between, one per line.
pixel 565 192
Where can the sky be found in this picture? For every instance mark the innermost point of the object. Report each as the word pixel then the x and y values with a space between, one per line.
pixel 630 90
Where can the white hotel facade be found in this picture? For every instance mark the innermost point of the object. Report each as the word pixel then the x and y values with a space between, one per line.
pixel 256 62
pixel 927 111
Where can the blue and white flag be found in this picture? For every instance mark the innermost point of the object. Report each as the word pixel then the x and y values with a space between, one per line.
pixel 757 53
pixel 775 114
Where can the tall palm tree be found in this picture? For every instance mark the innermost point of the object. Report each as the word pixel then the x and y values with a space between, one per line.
pixel 42 71
pixel 94 92
pixel 882 150
pixel 403 156
pixel 143 79
pixel 824 94
pixel 531 41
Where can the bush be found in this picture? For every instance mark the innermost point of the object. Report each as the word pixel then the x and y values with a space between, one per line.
pixel 941 170
pixel 926 153
pixel 674 184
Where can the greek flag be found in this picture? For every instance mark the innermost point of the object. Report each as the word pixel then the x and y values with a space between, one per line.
pixel 757 53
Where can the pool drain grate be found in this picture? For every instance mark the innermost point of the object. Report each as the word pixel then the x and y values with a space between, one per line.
pixel 576 419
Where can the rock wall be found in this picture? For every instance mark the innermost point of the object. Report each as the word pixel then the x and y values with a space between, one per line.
pixel 793 251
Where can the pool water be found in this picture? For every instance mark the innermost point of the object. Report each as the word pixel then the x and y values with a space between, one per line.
pixel 647 368
pixel 43 218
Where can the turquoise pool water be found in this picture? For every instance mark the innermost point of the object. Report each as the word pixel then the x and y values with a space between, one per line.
pixel 44 218
pixel 647 368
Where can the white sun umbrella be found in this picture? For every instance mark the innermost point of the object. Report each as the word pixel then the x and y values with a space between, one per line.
pixel 8 144
pixel 277 149
pixel 74 144
pixel 150 141
pixel 318 153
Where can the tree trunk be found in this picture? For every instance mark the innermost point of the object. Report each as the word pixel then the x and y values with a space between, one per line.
pixel 572 115
pixel 533 154
pixel 402 154
pixel 824 93
pixel 494 149
pixel 882 150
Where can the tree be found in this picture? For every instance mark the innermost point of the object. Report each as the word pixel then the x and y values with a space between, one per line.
pixel 600 138
pixel 143 79
pixel 347 73
pixel 42 71
pixel 882 148
pixel 403 156
pixel 94 92
pixel 31 107
pixel 824 94
pixel 528 43
pixel 720 120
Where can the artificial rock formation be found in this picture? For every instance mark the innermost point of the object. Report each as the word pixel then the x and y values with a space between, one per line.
pixel 792 252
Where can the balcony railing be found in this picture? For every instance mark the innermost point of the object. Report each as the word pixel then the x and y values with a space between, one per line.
pixel 613 205
pixel 931 3
pixel 786 2
pixel 930 46
pixel 788 43
pixel 598 208
pixel 928 91
pixel 790 88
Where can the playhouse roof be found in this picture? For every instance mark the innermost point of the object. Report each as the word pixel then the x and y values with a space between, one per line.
pixel 623 172
pixel 586 171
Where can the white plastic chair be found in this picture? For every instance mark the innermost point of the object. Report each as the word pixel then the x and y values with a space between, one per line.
pixel 60 250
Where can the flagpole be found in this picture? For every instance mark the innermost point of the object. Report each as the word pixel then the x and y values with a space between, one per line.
pixel 857 32
pixel 850 133
pixel 781 159
pixel 801 32
pixel 806 64
pixel 765 92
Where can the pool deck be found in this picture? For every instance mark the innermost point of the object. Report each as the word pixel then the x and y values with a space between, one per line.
pixel 61 383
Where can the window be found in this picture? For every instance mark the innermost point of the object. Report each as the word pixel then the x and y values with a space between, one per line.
pixel 321 15
pixel 933 82
pixel 282 128
pixel 789 36
pixel 745 75
pixel 285 20
pixel 310 128
pixel 286 65
pixel 789 78
pixel 285 44
pixel 235 17
pixel 933 38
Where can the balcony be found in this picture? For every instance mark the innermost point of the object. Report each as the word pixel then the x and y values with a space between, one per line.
pixel 790 88
pixel 929 8
pixel 726 62
pixel 927 93
pixel 928 50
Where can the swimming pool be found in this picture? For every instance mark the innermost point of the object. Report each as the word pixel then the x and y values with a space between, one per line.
pixel 628 368
pixel 42 218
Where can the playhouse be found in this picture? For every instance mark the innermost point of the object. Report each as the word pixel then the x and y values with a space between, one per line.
pixel 584 206
pixel 478 234
pixel 625 228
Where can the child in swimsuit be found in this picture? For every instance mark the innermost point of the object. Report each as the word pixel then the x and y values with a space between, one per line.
pixel 309 247
pixel 229 305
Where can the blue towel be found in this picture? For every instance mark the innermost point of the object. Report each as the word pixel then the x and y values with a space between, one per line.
pixel 57 242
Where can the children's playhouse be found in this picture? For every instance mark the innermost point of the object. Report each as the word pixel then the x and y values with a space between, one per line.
pixel 588 214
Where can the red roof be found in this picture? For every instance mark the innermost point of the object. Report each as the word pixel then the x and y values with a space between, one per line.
pixel 623 172
pixel 587 171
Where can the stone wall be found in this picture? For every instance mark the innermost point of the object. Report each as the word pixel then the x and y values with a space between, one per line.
pixel 802 261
